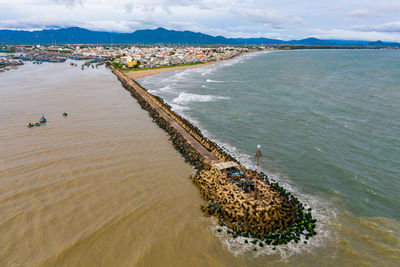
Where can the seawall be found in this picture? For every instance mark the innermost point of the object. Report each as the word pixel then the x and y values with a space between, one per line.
pixel 245 201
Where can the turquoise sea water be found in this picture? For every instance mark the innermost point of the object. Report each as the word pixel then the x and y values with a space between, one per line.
pixel 328 122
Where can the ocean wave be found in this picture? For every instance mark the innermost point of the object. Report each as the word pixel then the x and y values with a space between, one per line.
pixel 186 74
pixel 240 59
pixel 167 88
pixel 207 87
pixel 337 118
pixel 318 149
pixel 322 209
pixel 209 71
pixel 178 108
pixel 185 98
pixel 170 77
pixel 213 81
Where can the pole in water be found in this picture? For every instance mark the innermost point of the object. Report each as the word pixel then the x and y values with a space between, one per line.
pixel 258 155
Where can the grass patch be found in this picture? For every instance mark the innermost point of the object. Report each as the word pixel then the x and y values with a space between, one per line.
pixel 165 67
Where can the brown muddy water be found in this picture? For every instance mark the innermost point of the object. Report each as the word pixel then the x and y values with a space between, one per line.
pixel 104 187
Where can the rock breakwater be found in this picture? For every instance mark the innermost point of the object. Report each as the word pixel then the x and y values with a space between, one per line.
pixel 245 201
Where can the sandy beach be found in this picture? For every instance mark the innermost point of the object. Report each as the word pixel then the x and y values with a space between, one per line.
pixel 137 74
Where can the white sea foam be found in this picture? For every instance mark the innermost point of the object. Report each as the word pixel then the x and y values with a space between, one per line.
pixel 185 98
pixel 175 77
pixel 322 213
pixel 209 71
pixel 213 81
pixel 178 108
pixel 322 210
pixel 240 59
pixel 170 77
pixel 318 149
pixel 167 88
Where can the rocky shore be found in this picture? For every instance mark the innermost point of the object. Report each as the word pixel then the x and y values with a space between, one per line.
pixel 248 203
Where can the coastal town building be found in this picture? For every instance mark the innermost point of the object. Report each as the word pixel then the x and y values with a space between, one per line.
pixel 123 56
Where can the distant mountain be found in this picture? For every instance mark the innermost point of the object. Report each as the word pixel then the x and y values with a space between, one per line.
pixel 77 35
pixel 82 36
pixel 383 44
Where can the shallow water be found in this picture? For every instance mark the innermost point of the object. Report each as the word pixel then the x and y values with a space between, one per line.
pixel 104 187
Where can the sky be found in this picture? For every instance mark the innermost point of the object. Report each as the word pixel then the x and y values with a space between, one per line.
pixel 282 19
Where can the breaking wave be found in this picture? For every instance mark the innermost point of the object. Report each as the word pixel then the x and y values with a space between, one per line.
pixel 167 88
pixel 213 81
pixel 185 98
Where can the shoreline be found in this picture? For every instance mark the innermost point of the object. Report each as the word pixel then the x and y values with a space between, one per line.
pixel 249 205
pixel 138 74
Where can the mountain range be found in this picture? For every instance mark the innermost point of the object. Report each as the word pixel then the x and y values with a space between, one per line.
pixel 77 35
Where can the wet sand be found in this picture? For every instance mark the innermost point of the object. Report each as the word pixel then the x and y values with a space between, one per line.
pixel 144 73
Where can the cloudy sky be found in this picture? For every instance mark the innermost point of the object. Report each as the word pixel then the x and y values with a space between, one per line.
pixel 283 19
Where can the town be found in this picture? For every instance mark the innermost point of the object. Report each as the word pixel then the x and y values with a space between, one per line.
pixel 122 57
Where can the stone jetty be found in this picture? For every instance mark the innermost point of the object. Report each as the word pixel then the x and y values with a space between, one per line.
pixel 245 201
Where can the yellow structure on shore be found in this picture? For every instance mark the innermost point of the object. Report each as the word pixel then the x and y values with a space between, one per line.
pixel 132 64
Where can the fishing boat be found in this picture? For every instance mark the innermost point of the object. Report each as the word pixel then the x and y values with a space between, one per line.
pixel 43 119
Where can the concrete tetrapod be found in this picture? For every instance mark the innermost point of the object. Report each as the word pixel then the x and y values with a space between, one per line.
pixel 275 216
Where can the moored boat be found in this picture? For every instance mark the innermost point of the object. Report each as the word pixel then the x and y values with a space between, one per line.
pixel 43 119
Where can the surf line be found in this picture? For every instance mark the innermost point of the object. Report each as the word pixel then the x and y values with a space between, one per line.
pixel 244 200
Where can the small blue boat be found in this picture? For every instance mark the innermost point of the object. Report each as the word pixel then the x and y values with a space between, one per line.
pixel 43 119
pixel 37 124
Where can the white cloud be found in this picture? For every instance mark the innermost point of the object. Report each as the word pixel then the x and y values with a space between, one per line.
pixel 380 9
pixel 271 17
pixel 341 34
pixel 284 19
pixel 362 14
pixel 393 26
pixel 68 2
